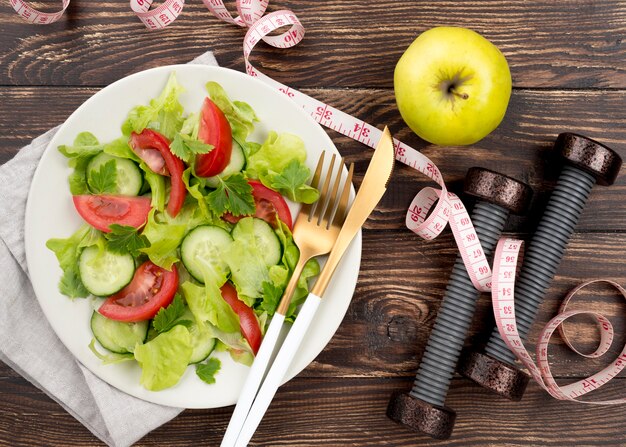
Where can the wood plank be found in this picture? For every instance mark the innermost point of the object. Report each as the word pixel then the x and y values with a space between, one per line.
pixel 548 44
pixel 520 147
pixel 313 412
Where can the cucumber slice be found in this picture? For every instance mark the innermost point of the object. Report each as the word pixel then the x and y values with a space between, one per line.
pixel 129 178
pixel 104 273
pixel 117 336
pixel 236 164
pixel 202 342
pixel 266 239
pixel 205 244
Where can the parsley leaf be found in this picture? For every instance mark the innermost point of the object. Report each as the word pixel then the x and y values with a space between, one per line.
pixel 186 147
pixel 126 239
pixel 291 182
pixel 104 180
pixel 168 317
pixel 232 194
pixel 206 371
pixel 271 297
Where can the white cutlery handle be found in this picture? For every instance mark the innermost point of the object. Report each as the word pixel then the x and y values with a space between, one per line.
pixel 278 370
pixel 253 381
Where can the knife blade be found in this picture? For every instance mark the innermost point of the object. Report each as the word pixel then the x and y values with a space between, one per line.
pixel 372 189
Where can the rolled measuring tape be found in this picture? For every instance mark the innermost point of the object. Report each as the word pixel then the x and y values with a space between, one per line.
pixel 431 209
pixel 503 292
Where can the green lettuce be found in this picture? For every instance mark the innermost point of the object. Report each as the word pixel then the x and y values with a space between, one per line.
pixel 279 164
pixel 233 342
pixel 207 305
pixel 164 238
pixel 164 359
pixel 245 259
pixel 85 147
pixel 164 113
pixel 165 233
pixel 68 252
pixel 275 154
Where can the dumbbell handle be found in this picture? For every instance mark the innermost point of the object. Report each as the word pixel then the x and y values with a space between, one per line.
pixel 456 312
pixel 544 253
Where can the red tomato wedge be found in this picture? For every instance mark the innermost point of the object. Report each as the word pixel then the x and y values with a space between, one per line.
pixel 144 145
pixel 269 204
pixel 214 130
pixel 247 319
pixel 100 211
pixel 151 289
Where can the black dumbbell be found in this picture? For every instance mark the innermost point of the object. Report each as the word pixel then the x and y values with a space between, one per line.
pixel 423 409
pixel 588 162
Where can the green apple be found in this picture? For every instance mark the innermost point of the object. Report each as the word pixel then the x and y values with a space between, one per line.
pixel 452 86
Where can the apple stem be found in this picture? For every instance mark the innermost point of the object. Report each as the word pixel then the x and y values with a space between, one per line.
pixel 457 94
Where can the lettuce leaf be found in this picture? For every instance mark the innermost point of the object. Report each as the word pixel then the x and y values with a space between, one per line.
pixel 234 342
pixel 164 114
pixel 67 252
pixel 164 238
pixel 207 305
pixel 165 233
pixel 245 259
pixel 85 147
pixel 164 359
pixel 275 154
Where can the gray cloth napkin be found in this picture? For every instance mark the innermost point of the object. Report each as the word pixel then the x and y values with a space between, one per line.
pixel 27 342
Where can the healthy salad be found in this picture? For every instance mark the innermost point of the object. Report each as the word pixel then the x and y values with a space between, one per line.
pixel 187 241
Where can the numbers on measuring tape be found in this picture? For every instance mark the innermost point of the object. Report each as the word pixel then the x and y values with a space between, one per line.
pixel 502 297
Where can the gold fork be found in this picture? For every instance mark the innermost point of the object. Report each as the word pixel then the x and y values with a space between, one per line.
pixel 315 232
pixel 318 225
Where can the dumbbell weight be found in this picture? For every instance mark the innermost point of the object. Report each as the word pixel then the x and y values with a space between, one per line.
pixel 587 162
pixel 423 409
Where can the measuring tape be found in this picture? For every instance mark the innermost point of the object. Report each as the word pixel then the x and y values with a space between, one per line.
pixel 503 291
pixel 431 209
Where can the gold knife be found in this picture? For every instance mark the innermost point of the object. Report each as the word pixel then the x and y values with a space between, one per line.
pixel 371 191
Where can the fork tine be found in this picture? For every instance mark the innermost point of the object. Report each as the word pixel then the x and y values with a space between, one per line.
pixel 306 207
pixel 318 211
pixel 318 171
pixel 332 199
pixel 342 207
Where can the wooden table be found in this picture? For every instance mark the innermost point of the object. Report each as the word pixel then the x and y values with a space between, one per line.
pixel 568 62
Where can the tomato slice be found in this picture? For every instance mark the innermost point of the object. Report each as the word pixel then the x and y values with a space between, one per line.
pixel 100 211
pixel 247 319
pixel 151 289
pixel 144 145
pixel 269 204
pixel 214 130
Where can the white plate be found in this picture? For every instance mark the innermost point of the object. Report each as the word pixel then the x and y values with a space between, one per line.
pixel 51 214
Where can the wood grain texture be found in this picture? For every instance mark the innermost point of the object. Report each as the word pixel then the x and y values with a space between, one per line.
pixel 573 44
pixel 348 412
